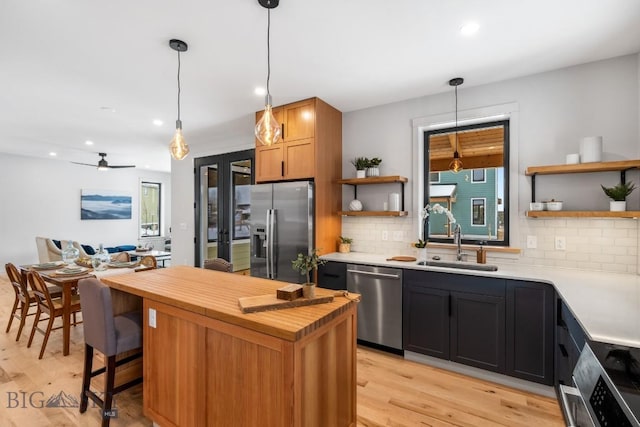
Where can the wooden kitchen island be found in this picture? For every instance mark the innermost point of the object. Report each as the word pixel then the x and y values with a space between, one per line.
pixel 208 364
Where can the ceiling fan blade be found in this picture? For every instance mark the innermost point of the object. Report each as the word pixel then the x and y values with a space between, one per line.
pixel 85 164
pixel 121 166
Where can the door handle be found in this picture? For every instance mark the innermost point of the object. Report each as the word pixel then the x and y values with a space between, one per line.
pixel 282 168
pixel 370 273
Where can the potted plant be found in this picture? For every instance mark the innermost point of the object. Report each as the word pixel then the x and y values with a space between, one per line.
pixel 360 164
pixel 345 244
pixel 304 264
pixel 373 166
pixel 618 195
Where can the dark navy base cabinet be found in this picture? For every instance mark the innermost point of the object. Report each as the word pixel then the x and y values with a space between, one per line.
pixel 505 326
pixel 333 275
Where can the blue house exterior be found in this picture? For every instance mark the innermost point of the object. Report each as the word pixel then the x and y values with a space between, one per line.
pixel 473 202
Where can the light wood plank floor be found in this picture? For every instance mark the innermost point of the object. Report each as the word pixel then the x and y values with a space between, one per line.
pixel 391 391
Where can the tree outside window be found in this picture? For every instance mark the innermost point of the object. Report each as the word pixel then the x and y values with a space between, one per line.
pixel 150 209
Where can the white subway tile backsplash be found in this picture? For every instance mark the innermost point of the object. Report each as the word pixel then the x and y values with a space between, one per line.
pixel 591 244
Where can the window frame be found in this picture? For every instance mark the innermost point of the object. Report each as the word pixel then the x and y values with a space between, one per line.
pixel 506 154
pixel 484 176
pixel 144 183
pixel 484 211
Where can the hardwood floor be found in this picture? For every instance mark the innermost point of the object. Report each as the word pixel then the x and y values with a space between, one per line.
pixel 391 391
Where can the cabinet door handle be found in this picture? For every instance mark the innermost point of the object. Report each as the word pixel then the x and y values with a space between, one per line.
pixel 282 168
pixel 449 305
pixel 282 130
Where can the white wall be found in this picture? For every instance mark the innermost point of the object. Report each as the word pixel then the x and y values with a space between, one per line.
pixel 41 197
pixel 555 109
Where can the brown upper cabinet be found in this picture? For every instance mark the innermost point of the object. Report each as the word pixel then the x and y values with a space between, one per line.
pixel 310 150
pixel 307 127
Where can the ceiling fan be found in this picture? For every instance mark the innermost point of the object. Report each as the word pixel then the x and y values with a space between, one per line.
pixel 103 165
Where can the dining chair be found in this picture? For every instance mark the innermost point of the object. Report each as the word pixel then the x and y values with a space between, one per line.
pixel 24 299
pixel 149 261
pixel 218 264
pixel 50 305
pixel 110 335
pixel 121 257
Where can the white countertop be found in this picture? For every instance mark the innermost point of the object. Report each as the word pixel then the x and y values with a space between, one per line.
pixel 607 305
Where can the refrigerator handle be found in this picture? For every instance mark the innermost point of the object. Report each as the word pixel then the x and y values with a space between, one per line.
pixel 273 234
pixel 267 240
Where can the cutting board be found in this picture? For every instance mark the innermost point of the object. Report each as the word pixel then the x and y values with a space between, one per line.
pixel 271 302
pixel 402 258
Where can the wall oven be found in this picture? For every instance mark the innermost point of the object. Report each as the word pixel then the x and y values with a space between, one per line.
pixel 606 388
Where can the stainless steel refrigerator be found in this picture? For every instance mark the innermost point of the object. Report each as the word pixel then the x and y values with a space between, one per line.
pixel 281 227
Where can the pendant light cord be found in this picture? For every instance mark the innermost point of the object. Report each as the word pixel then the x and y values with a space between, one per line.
pixel 456 118
pixel 178 85
pixel 268 51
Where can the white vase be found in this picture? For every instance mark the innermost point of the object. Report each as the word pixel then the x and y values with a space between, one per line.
pixel 618 206
pixel 373 171
pixel 360 173
pixel 421 254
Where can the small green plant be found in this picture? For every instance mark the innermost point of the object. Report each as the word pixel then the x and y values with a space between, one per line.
pixel 620 192
pixel 347 240
pixel 375 162
pixel 304 264
pixel 360 163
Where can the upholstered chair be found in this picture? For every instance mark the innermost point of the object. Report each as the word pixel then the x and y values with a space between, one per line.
pixel 218 264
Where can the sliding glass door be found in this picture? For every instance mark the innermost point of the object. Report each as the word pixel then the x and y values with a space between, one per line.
pixel 223 208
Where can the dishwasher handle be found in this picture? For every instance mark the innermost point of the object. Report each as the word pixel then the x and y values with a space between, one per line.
pixel 370 273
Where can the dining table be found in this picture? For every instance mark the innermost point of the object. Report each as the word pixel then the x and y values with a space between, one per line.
pixel 69 282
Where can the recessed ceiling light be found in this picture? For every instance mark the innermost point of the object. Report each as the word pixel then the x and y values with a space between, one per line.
pixel 469 29
pixel 260 91
pixel 88 142
pixel 147 166
pixel 52 154
pixel 105 108
pixel 158 122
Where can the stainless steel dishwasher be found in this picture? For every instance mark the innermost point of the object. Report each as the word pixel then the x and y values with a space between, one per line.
pixel 380 310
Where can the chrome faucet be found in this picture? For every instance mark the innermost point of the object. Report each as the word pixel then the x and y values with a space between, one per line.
pixel 457 239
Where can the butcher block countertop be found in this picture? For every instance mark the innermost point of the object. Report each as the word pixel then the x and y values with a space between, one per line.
pixel 215 294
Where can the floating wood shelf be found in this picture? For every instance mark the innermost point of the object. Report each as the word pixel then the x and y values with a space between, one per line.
pixel 393 179
pixel 373 213
pixel 374 180
pixel 622 165
pixel 583 214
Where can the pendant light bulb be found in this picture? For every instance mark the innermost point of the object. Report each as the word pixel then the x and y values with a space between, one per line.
pixel 178 147
pixel 268 129
pixel 456 164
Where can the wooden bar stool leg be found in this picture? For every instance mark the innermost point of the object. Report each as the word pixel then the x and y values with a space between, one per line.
pixel 108 389
pixel 86 377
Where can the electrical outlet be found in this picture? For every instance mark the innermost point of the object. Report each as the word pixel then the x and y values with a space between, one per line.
pixel 397 236
pixel 385 235
pixel 152 317
pixel 532 242
pixel 561 243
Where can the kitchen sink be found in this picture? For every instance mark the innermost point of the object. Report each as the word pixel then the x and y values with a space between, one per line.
pixel 460 265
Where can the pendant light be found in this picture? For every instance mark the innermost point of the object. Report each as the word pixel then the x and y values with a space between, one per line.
pixel 456 164
pixel 268 129
pixel 178 147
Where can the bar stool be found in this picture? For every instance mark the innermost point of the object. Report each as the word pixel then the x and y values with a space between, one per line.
pixel 110 335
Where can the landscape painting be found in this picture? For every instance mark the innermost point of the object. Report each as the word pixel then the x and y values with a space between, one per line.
pixel 105 204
